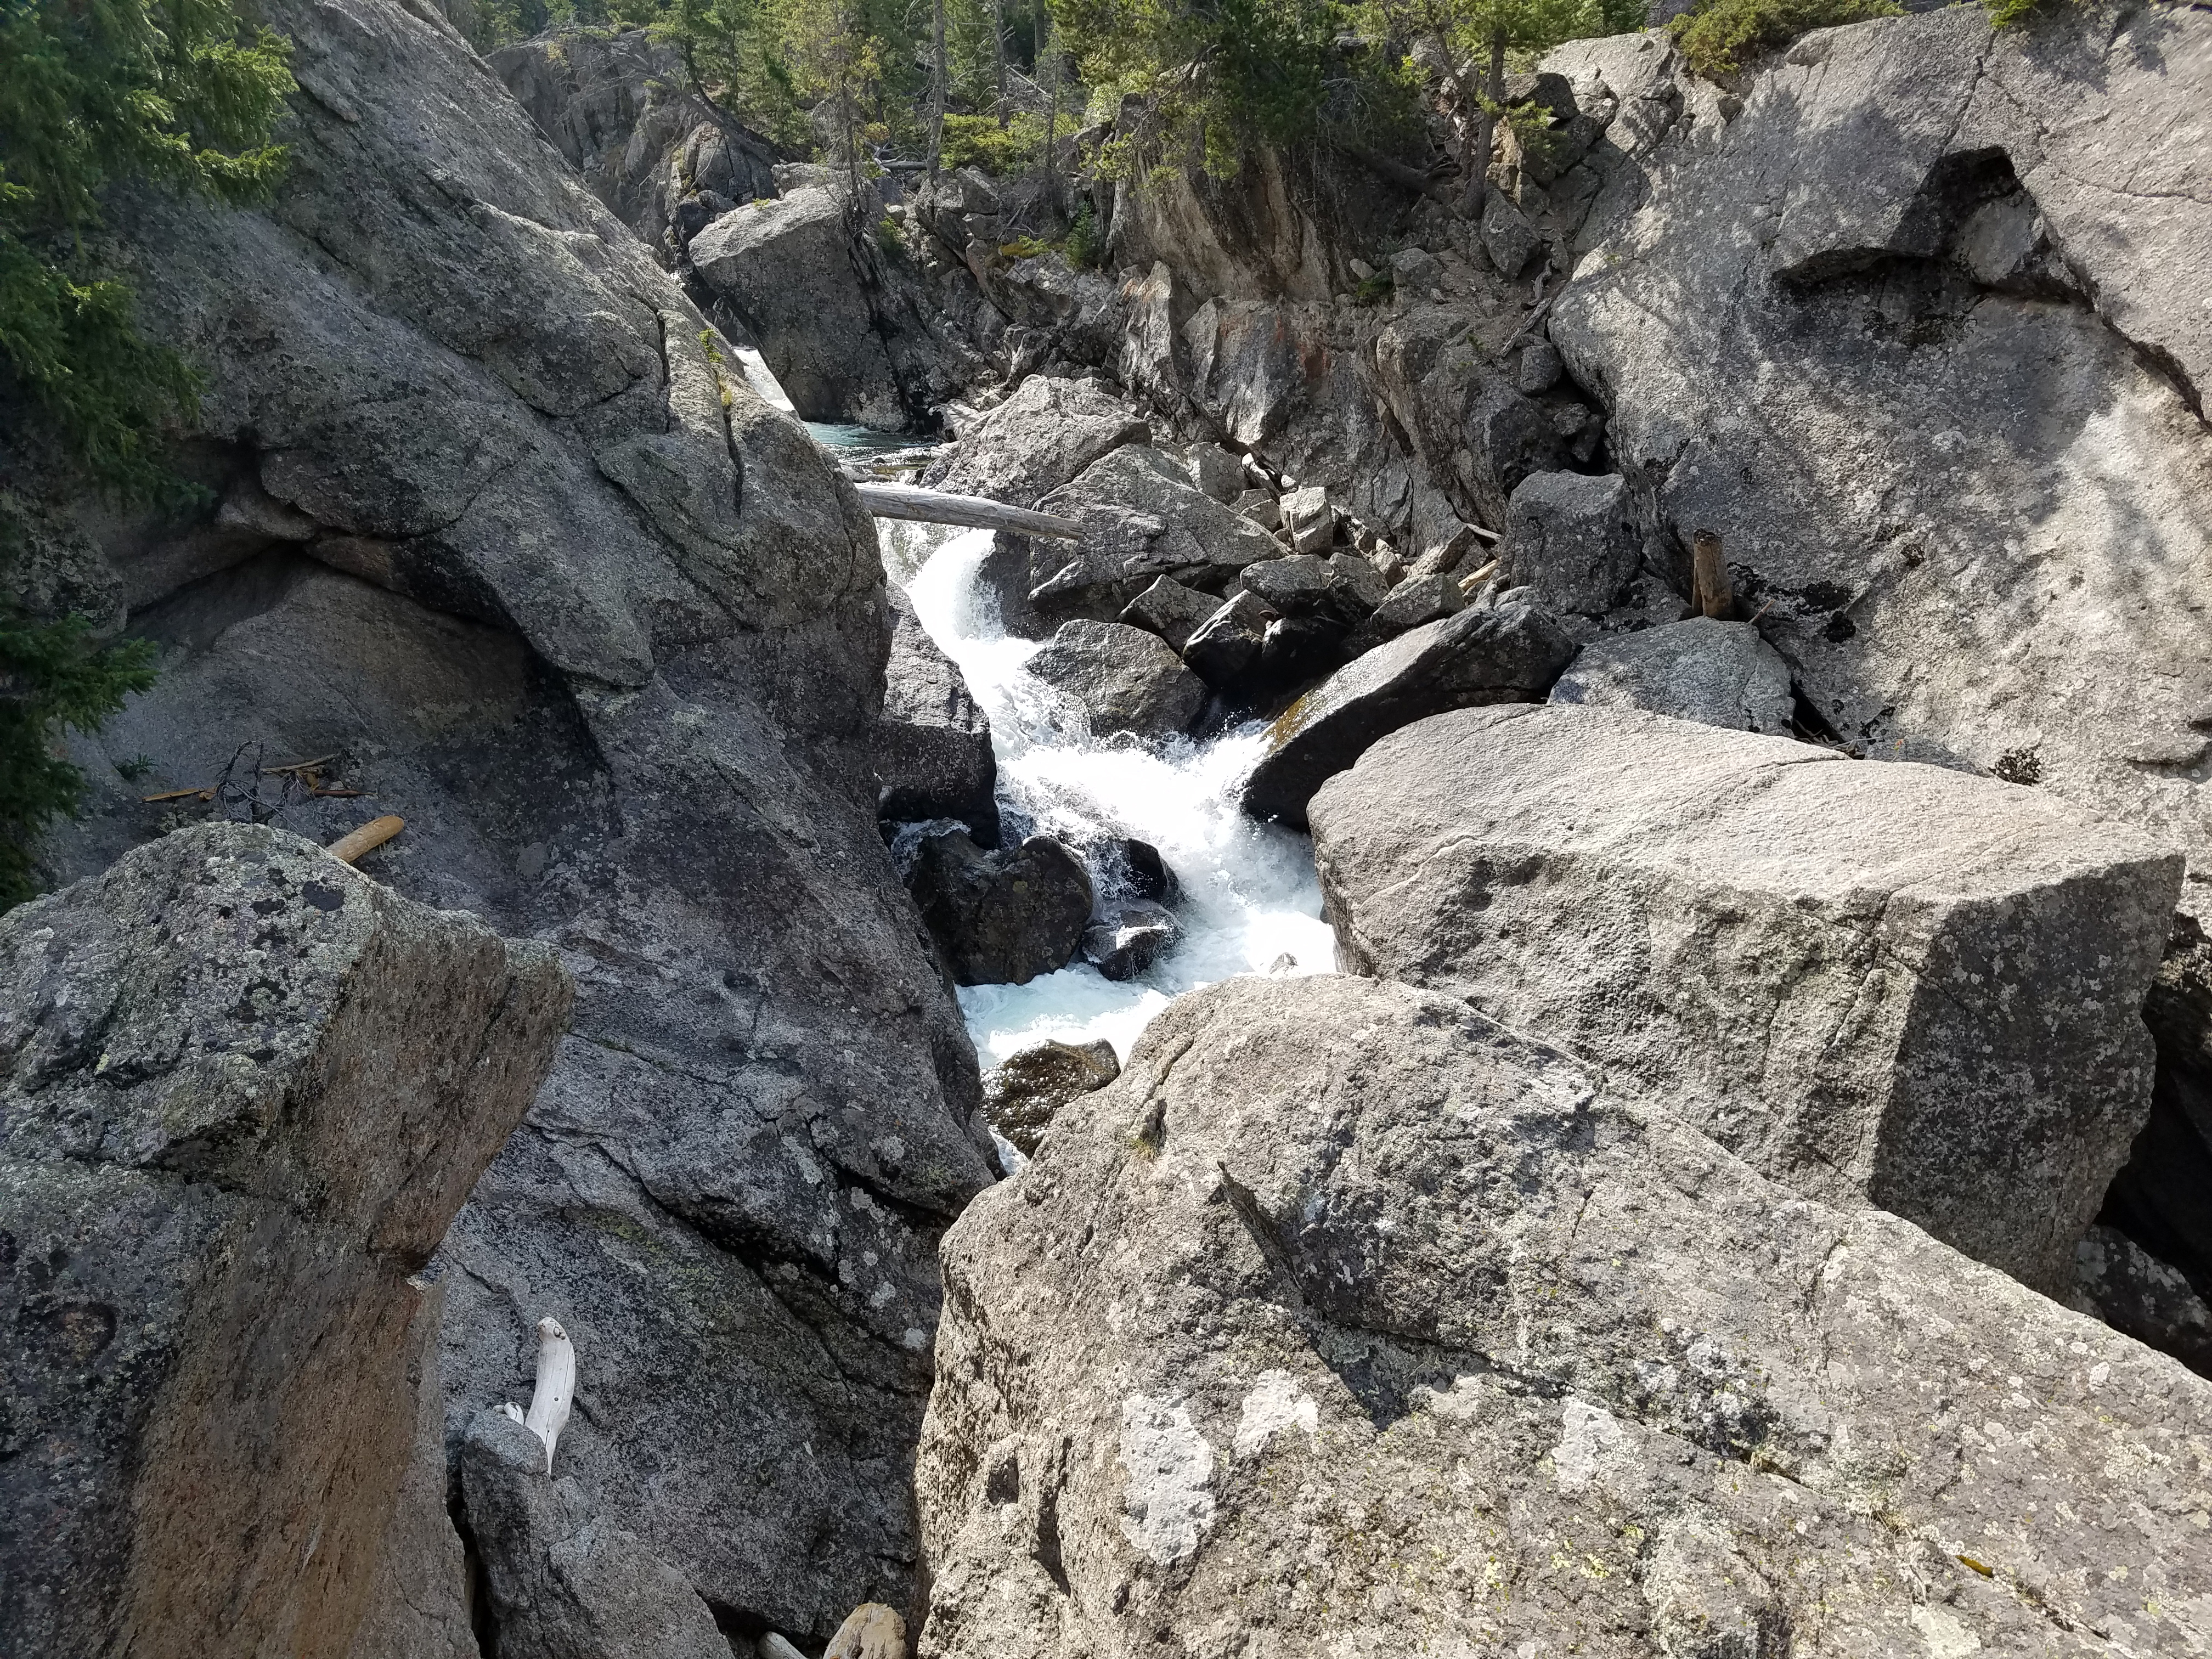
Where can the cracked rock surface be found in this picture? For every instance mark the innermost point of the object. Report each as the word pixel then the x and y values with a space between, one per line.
pixel 505 548
pixel 1350 1321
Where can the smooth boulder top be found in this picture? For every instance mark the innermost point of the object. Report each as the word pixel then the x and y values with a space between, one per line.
pixel 1349 1316
pixel 1507 652
pixel 1880 981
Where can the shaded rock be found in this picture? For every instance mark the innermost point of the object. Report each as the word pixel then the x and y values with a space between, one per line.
pixel 2163 1196
pixel 1261 506
pixel 1001 918
pixel 419 1606
pixel 1170 610
pixel 1226 645
pixel 247 1088
pixel 2135 1293
pixel 1134 869
pixel 1343 1273
pixel 1123 678
pixel 1304 585
pixel 1043 436
pixel 1715 672
pixel 1507 236
pixel 1510 654
pixel 1474 432
pixel 1888 984
pixel 1539 370
pixel 933 745
pixel 785 267
pixel 1216 472
pixel 1571 537
pixel 1459 553
pixel 1411 604
pixel 1130 941
pixel 564 1581
pixel 1022 1096
pixel 1416 271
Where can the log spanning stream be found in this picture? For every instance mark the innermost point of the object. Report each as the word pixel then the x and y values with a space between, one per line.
pixel 1250 894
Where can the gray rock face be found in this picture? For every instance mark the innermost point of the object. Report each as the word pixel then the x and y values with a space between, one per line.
pixel 1832 387
pixel 1227 645
pixel 1002 918
pixel 1880 983
pixel 1028 1090
pixel 1506 653
pixel 1347 1315
pixel 563 1582
pixel 1123 679
pixel 1715 672
pixel 933 746
pixel 1043 436
pixel 785 267
pixel 615 111
pixel 1570 538
pixel 1507 236
pixel 613 649
pixel 245 1090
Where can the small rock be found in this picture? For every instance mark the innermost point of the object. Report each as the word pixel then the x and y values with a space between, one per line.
pixel 1261 506
pixel 1216 471
pixel 1361 270
pixel 1001 918
pixel 1715 672
pixel 870 1630
pixel 1413 603
pixel 1135 937
pixel 1283 963
pixel 1171 610
pixel 1541 368
pixel 1226 645
pixel 1135 868
pixel 1568 537
pixel 1416 271
pixel 1124 678
pixel 1309 518
pixel 1450 554
pixel 1359 578
pixel 1507 236
pixel 1021 1097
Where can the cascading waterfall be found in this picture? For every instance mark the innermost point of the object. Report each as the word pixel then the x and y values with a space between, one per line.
pixel 1250 897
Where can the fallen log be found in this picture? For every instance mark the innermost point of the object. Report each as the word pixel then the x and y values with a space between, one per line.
pixel 347 849
pixel 887 500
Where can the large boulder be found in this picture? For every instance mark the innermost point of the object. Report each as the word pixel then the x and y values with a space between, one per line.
pixel 608 632
pixel 1880 983
pixel 1123 679
pixel 1718 673
pixel 245 1090
pixel 1349 1316
pixel 1044 435
pixel 1950 223
pixel 785 267
pixel 1508 653
pixel 933 746
pixel 1571 539
pixel 1001 918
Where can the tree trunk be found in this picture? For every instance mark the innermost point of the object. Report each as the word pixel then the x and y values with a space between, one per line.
pixel 1052 137
pixel 1486 129
pixel 936 98
pixel 999 52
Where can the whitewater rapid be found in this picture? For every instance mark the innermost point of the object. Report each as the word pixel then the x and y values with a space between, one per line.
pixel 1250 894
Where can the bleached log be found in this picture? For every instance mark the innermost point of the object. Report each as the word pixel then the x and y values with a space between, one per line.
pixel 557 1387
pixel 773 1646
pixel 889 500
pixel 1709 575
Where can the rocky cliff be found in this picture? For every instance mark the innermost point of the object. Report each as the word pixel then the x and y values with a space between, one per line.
pixel 502 547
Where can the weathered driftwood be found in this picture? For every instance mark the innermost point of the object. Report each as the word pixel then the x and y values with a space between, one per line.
pixel 556 1385
pixel 870 1630
pixel 773 1646
pixel 1709 575
pixel 888 501
pixel 370 836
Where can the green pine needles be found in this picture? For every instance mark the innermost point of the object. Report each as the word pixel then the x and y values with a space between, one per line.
pixel 95 94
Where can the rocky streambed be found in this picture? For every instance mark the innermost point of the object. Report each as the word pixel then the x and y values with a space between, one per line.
pixel 1388 1049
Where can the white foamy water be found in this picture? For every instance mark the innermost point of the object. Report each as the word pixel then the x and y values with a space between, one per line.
pixel 1250 894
